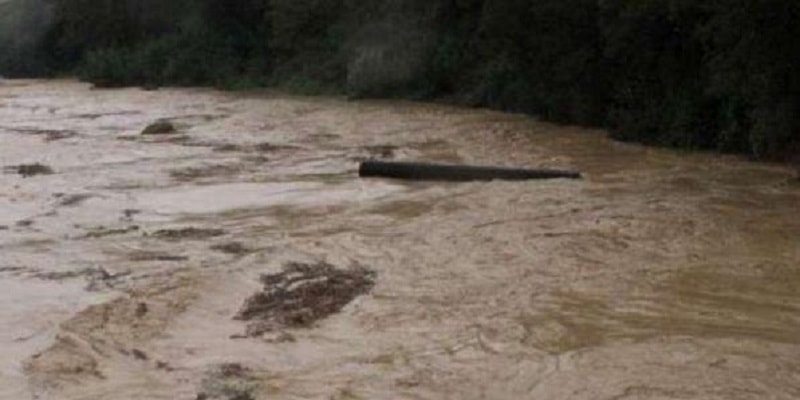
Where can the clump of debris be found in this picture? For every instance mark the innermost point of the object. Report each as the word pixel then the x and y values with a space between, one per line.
pixel 72 199
pixel 302 294
pixel 145 256
pixel 264 147
pixel 187 234
pixel 235 248
pixel 97 278
pixel 230 381
pixel 102 231
pixel 208 171
pixel 29 170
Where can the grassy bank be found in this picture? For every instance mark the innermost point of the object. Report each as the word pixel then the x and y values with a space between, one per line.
pixel 718 75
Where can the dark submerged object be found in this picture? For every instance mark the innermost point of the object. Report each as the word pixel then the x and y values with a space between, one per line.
pixel 29 170
pixel 160 128
pixel 455 173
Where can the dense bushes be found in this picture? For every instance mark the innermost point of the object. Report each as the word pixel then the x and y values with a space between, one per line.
pixel 21 54
pixel 719 74
pixel 712 75
pixel 193 56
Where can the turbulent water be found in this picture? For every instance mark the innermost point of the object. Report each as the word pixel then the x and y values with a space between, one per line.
pixel 123 258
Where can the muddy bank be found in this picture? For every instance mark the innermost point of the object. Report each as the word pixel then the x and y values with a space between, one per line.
pixel 122 271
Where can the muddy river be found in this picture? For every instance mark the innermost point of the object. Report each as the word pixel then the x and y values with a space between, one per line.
pixel 124 258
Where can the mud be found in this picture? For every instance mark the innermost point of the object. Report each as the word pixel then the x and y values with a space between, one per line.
pixel 110 330
pixel 661 275
pixel 302 294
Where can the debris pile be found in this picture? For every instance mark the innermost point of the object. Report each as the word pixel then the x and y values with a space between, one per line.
pixel 29 170
pixel 187 234
pixel 230 381
pixel 235 248
pixel 301 295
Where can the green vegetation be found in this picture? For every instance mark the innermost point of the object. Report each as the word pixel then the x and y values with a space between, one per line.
pixel 717 74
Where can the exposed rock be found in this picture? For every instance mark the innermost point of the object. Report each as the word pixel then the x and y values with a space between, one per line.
pixel 140 355
pixel 141 310
pixel 160 128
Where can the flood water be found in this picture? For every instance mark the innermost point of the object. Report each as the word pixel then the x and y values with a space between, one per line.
pixel 660 275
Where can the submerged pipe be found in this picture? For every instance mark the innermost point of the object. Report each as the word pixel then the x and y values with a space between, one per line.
pixel 455 173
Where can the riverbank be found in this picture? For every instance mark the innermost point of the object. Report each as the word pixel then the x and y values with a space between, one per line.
pixel 705 76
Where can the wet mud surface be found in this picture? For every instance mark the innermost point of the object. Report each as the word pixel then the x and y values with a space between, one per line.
pixel 660 275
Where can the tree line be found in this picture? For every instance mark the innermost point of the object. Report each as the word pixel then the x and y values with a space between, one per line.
pixel 718 74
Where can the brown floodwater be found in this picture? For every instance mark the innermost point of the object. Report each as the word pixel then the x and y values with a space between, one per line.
pixel 124 258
